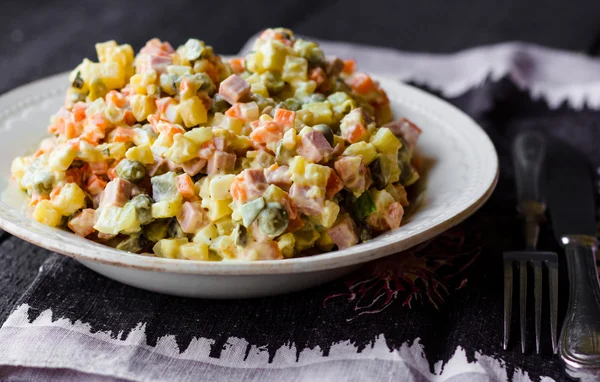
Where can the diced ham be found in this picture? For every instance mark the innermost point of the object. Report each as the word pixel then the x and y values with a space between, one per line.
pixel 234 88
pixel 220 143
pixel 333 66
pixel 393 215
pixel 402 195
pixel 191 218
pixel 172 166
pixel 343 233
pixel 221 162
pixel 353 173
pixel 307 200
pixel 334 185
pixel 279 176
pixel 389 218
pixel 193 166
pixel 405 129
pixel 116 193
pixel 249 185
pixel 83 223
pixel 149 62
pixel 157 166
pixel 315 147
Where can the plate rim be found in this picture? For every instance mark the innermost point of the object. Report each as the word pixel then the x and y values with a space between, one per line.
pixel 321 262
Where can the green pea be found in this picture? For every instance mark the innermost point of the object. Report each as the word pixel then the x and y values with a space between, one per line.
pixel 378 174
pixel 219 105
pixel 323 128
pixel 262 102
pixel 283 156
pixel 240 235
pixel 143 208
pixel 365 233
pixel 134 243
pixel 317 97
pixel 131 170
pixel 43 183
pixel 293 104
pixel 273 82
pixel 175 229
pixel 273 220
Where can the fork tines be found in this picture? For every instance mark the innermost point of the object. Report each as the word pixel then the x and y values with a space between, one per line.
pixel 535 258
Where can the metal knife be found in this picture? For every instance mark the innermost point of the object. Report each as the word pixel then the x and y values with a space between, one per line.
pixel 570 197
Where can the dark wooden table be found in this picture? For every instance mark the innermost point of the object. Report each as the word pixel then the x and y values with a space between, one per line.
pixel 39 38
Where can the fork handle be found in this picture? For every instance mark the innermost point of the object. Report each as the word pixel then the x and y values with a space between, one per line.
pixel 580 335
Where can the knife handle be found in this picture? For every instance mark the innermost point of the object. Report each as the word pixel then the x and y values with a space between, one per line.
pixel 580 335
pixel 529 151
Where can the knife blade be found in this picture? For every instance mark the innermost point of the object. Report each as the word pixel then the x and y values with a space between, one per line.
pixel 570 197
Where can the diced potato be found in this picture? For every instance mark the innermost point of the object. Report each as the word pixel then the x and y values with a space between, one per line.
pixel 166 209
pixel 182 150
pixel 142 154
pixel 156 230
pixel 142 106
pixel 140 82
pixel 295 68
pixel 192 112
pixel 206 234
pixel 366 150
pixel 108 219
pixel 179 70
pixel 316 175
pixel 305 238
pixel 224 226
pixel 286 244
pixel 115 150
pixel 128 220
pixel 220 187
pixel 329 214
pixel 18 167
pixel 169 248
pixel 274 194
pixel 289 139
pixel 274 55
pixel 385 141
pixel 232 124
pixel 46 213
pixel 62 157
pixel 324 242
pixel 260 89
pixel 199 135
pixel 194 251
pixel 218 209
pixel 112 75
pixel 161 144
pixel 303 89
pixel 69 199
pixel 321 112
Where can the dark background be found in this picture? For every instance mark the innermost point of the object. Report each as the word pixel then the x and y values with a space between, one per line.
pixel 40 38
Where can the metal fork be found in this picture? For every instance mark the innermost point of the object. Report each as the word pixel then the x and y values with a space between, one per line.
pixel 529 150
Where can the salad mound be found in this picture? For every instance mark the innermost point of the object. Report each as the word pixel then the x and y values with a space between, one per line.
pixel 179 153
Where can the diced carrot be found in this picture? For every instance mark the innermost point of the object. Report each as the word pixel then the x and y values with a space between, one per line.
pixel 295 224
pixel 268 131
pixel 169 129
pixel 55 192
pixel 318 75
pixel 154 119
pixel 74 143
pixel 185 185
pixel 285 118
pixel 163 103
pixel 129 118
pixel 95 185
pixel 79 111
pixel 238 190
pixel 234 111
pixel 116 98
pixel 362 83
pixel 71 130
pixel 112 170
pixel 35 199
pixel 206 150
pixel 74 175
pixel 184 85
pixel 237 65
pixel 121 134
pixel 349 66
pixel 356 133
pixel 38 153
pixel 100 121
pixel 98 168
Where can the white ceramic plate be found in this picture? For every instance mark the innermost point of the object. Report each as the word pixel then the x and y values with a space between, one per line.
pixel 463 170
